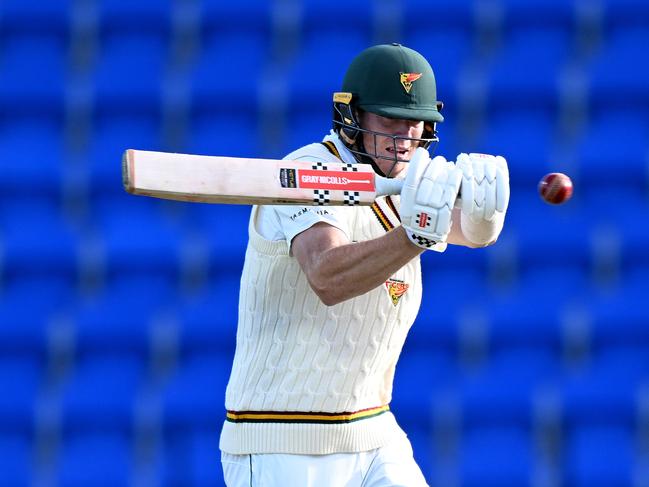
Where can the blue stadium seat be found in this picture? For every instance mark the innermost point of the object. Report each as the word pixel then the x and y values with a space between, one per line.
pixel 117 322
pixel 319 19
pixel 205 466
pixel 143 17
pixel 502 391
pixel 110 138
pixel 195 396
pixel 208 320
pixel 25 62
pixel 620 15
pixel 459 259
pixel 634 258
pixel 51 17
pixel 547 237
pixel 129 75
pixel 32 168
pixel 492 457
pixel 25 330
pixel 226 250
pixel 604 393
pixel 525 139
pixel 231 17
pixel 138 240
pixel 420 376
pixel 20 380
pixel 615 79
pixel 225 78
pixel 307 126
pixel 16 463
pixel 100 395
pixel 526 14
pixel 451 142
pixel 310 81
pixel 618 318
pixel 444 300
pixel 530 316
pixel 418 16
pixel 223 133
pixel 423 451
pixel 98 460
pixel 600 207
pixel 193 459
pixel 614 139
pixel 37 241
pixel 600 457
pixel 525 72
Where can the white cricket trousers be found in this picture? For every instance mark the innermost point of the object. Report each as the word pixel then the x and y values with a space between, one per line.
pixel 392 465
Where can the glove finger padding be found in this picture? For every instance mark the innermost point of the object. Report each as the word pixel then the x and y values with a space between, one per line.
pixel 419 162
pixel 490 190
pixel 485 186
pixel 468 193
pixel 502 184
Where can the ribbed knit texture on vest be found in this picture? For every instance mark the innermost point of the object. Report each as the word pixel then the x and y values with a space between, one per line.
pixel 293 353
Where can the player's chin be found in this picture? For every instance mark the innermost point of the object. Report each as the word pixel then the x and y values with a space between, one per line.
pixel 393 169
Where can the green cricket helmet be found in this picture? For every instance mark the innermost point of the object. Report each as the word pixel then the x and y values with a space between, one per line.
pixel 392 81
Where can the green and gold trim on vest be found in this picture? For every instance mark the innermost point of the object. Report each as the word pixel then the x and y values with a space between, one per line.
pixel 331 147
pixel 381 217
pixel 303 417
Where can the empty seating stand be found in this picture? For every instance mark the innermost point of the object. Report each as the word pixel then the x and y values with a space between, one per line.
pixel 527 364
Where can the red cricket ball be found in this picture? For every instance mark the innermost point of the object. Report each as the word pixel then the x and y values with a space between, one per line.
pixel 555 188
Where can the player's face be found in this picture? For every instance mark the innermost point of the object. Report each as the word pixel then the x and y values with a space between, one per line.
pixel 387 149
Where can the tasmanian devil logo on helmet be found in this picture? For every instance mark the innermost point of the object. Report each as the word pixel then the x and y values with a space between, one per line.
pixel 407 79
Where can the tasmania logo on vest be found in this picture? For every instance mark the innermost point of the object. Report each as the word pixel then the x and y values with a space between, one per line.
pixel 396 289
pixel 407 79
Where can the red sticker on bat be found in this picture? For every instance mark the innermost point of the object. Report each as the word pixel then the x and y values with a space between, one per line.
pixel 335 180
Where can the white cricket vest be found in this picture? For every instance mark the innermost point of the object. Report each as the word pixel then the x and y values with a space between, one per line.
pixel 309 378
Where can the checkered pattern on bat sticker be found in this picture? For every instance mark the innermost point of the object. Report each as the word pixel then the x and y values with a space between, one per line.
pixel 321 196
pixel 352 198
pixel 319 166
pixel 350 167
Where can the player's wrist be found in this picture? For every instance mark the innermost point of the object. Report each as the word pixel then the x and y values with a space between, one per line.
pixel 482 232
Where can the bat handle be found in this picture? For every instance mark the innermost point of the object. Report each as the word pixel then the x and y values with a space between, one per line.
pixel 387 186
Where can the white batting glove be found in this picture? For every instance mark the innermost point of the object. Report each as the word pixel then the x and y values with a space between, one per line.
pixel 427 199
pixel 485 196
pixel 485 186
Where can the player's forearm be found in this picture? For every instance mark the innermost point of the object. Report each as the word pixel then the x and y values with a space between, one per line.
pixel 343 272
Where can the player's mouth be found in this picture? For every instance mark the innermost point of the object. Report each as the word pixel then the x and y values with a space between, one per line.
pixel 399 152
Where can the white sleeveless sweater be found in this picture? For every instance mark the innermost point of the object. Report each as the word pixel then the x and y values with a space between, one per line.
pixel 309 378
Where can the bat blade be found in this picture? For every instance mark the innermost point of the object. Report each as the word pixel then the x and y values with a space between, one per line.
pixel 233 180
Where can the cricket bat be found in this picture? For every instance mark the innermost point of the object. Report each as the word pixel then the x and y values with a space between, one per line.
pixel 234 180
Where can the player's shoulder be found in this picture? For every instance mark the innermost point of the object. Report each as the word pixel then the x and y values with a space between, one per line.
pixel 316 152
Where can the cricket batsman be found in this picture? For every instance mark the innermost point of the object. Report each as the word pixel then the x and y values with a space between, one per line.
pixel 328 294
